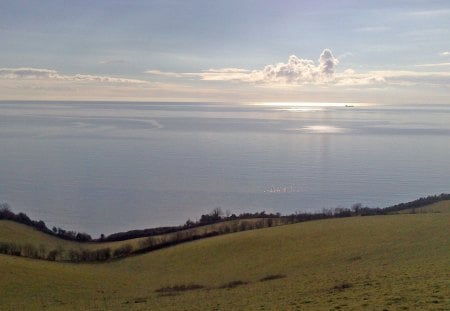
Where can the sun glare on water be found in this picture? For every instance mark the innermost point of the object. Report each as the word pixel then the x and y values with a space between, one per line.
pixel 307 106
pixel 323 129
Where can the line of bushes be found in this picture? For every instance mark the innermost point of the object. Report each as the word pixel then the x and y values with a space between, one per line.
pixel 418 203
pixel 168 236
pixel 152 243
pixel 217 216
pixel 59 254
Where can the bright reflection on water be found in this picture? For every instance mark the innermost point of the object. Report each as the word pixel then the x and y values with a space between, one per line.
pixel 105 167
pixel 323 129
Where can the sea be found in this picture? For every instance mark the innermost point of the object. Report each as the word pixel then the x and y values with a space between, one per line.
pixel 105 167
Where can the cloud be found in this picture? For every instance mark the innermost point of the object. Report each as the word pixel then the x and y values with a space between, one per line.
pixel 433 65
pixel 298 71
pixel 49 74
pixel 27 73
pixel 228 74
pixel 327 62
pixel 104 79
pixel 164 73
pixel 445 53
pixel 112 61
pixel 430 13
pixel 350 78
pixel 392 77
pixel 295 71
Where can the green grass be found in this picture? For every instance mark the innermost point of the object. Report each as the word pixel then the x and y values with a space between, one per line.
pixel 11 231
pixel 439 207
pixel 390 262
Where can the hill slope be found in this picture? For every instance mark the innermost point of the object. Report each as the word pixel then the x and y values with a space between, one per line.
pixel 386 262
pixel 438 207
pixel 23 235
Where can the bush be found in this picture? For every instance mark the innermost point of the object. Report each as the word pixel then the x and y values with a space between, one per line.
pixel 28 250
pixel 123 251
pixel 10 249
pixel 74 255
pixel 53 255
pixel 102 254
pixel 244 225
pixel 147 242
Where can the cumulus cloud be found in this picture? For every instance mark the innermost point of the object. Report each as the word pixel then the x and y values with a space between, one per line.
pixel 49 74
pixel 298 71
pixel 327 62
pixel 295 71
pixel 445 53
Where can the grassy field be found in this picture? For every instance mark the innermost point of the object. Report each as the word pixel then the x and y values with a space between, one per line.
pixel 395 262
pixel 11 231
pixel 439 207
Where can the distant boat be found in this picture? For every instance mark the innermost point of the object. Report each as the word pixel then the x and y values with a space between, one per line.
pixel 349 106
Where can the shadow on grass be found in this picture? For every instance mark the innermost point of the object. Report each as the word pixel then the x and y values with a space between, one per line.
pixel 341 287
pixel 233 284
pixel 170 290
pixel 140 300
pixel 272 277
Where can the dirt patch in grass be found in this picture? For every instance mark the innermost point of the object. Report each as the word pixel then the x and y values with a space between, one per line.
pixel 272 277
pixel 233 284
pixel 178 288
pixel 140 300
pixel 341 287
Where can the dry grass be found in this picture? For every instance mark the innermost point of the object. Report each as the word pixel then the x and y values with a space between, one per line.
pixel 383 262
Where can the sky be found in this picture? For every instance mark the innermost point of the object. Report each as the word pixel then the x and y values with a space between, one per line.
pixel 385 52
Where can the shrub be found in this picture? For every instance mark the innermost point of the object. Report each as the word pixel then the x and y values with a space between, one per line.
pixel 53 255
pixel 123 251
pixel 10 249
pixel 28 250
pixel 102 254
pixel 74 255
pixel 147 242
pixel 244 225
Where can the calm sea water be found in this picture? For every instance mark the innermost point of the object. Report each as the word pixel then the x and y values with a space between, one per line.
pixel 107 167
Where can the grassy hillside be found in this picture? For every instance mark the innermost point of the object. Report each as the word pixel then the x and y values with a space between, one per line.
pixel 439 207
pixel 13 232
pixel 382 262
